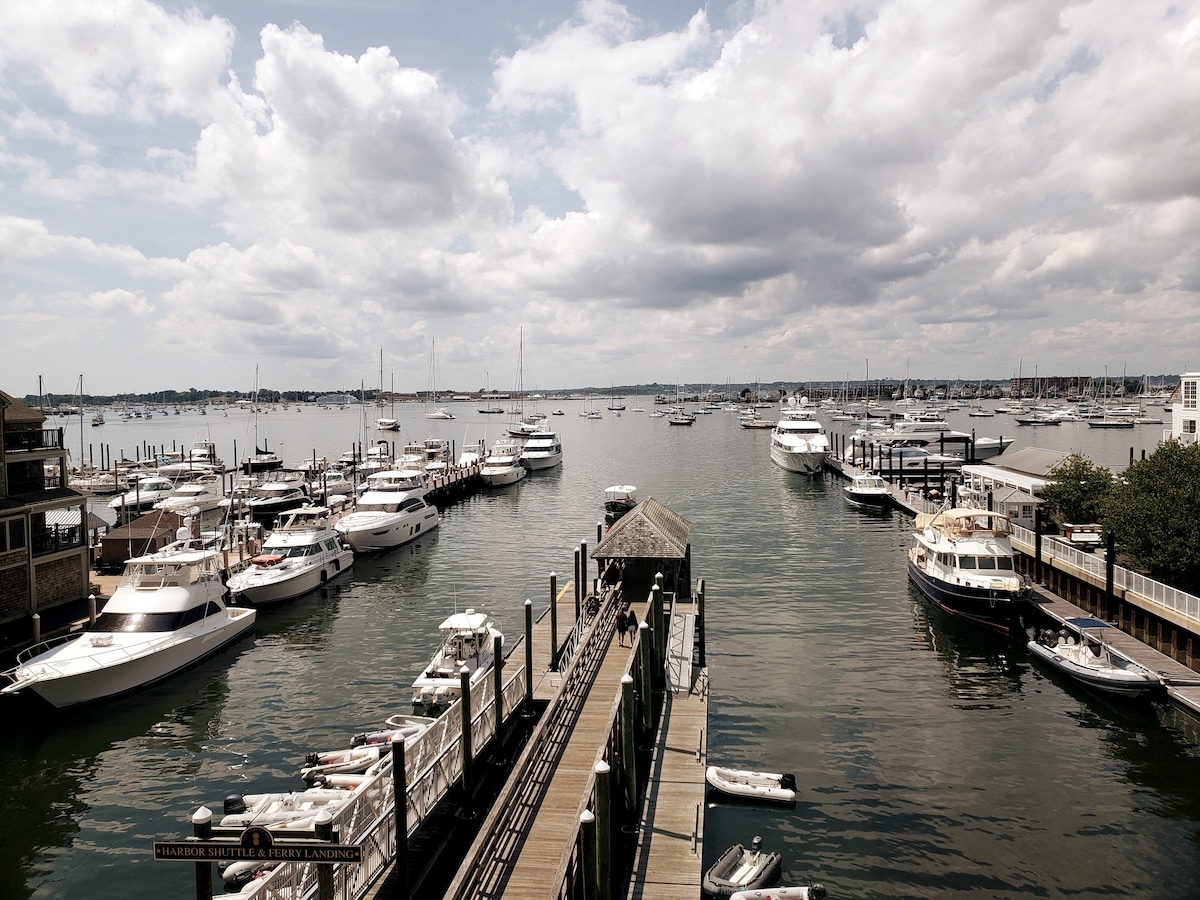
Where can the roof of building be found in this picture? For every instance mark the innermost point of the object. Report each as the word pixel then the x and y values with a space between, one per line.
pixel 19 411
pixel 648 531
pixel 1035 461
pixel 147 526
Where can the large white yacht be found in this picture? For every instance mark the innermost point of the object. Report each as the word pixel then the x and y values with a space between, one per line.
pixel 203 493
pixel 167 614
pixel 301 554
pixel 392 511
pixel 503 464
pixel 542 450
pixel 143 493
pixel 798 441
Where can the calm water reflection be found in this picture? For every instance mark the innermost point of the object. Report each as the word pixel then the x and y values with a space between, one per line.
pixel 932 760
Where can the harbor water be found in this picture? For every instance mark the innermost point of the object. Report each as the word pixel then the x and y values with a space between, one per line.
pixel 931 759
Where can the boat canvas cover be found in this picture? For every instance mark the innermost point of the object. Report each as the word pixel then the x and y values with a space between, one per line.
pixel 464 622
pixel 959 520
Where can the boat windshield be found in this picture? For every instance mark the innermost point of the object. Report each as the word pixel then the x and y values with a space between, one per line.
pixel 985 562
pixel 152 623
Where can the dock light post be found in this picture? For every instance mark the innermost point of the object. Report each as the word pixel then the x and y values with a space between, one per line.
pixel 604 821
pixel 583 574
pixel 578 585
pixel 91 609
pixel 464 681
pixel 656 607
pixel 645 635
pixel 553 622
pixel 498 683
pixel 529 656
pixel 202 829
pixel 587 854
pixel 400 783
pixel 323 829
pixel 700 620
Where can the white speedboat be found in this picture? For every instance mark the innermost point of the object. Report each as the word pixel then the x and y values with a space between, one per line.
pixel 466 641
pixel 741 868
pixel 542 450
pixel 868 489
pixel 798 442
pixel 503 464
pixel 1081 649
pixel 167 613
pixel 392 512
pixel 962 560
pixel 300 554
pixel 203 493
pixel 752 785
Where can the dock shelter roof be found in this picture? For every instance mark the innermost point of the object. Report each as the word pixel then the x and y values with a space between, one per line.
pixel 648 531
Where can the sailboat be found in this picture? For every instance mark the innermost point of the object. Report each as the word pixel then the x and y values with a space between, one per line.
pixel 612 400
pixel 387 423
pixel 434 411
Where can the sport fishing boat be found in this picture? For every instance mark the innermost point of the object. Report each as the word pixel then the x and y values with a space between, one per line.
pixel 962 560
pixel 1081 650
pixel 167 614
pixel 467 639
pixel 392 512
pixel 301 554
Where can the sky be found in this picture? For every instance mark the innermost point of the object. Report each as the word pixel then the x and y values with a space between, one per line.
pixel 321 194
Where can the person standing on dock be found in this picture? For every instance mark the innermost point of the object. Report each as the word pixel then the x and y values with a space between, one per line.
pixel 622 623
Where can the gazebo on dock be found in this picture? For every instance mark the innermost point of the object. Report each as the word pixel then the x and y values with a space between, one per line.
pixel 649 539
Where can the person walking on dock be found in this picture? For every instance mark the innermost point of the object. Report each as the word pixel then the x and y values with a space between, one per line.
pixel 622 622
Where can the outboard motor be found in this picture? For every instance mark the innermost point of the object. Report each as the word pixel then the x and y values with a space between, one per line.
pixel 816 891
pixel 234 804
pixel 312 759
pixel 788 781
pixel 358 740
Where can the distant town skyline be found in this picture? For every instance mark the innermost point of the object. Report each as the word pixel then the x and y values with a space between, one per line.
pixel 309 193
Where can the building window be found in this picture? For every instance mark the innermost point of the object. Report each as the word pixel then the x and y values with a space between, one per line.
pixel 1189 426
pixel 1189 394
pixel 16 534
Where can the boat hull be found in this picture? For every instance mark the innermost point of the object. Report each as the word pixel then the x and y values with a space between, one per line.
pixel 999 611
pixel 394 531
pixel 111 681
pixel 268 591
pixel 808 462
pixel 1122 682
pixel 867 498
pixel 500 477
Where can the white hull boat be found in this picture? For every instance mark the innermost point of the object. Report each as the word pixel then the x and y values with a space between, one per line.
pixel 299 556
pixel 1081 650
pixel 467 640
pixel 503 465
pixel 167 614
pixel 393 511
pixel 799 443
pixel 291 810
pixel 203 493
pixel 780 788
pixel 795 892
pixel 542 450
pixel 868 490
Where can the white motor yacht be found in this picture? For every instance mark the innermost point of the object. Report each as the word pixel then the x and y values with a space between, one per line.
pixel 203 493
pixel 503 464
pixel 167 614
pixel 144 492
pixel 798 442
pixel 279 490
pixel 391 512
pixel 299 555
pixel 466 641
pixel 542 450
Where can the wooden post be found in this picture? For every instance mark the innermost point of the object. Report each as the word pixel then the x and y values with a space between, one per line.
pixel 1037 544
pixel 656 606
pixel 498 683
pixel 700 621
pixel 400 783
pixel 645 638
pixel 464 681
pixel 529 655
pixel 323 829
pixel 553 622
pixel 599 532
pixel 604 820
pixel 627 725
pixel 202 829
pixel 578 585
pixel 587 854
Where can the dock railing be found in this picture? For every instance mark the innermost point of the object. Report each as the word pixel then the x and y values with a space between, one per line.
pixel 1138 588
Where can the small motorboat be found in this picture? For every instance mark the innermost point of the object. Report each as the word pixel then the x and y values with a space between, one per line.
pixel 752 785
pixel 239 873
pixel 798 892
pixel 292 810
pixel 1081 650
pixel 741 869
pixel 467 642
pixel 868 489
pixel 618 500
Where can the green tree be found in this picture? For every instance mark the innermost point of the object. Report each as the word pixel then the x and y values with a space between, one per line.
pixel 1152 515
pixel 1079 490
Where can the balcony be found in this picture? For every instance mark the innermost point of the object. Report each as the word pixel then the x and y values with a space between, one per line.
pixel 37 439
pixel 56 538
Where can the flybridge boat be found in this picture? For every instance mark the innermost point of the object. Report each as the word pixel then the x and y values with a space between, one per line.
pixel 279 491
pixel 167 614
pixel 392 512
pixel 1081 650
pixel 798 442
pixel 542 450
pixel 467 640
pixel 503 464
pixel 301 554
pixel 962 560
pixel 205 493
pixel 934 436
pixel 144 492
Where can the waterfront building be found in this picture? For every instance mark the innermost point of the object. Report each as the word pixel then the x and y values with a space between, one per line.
pixel 1184 411
pixel 43 560
pixel 1015 481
